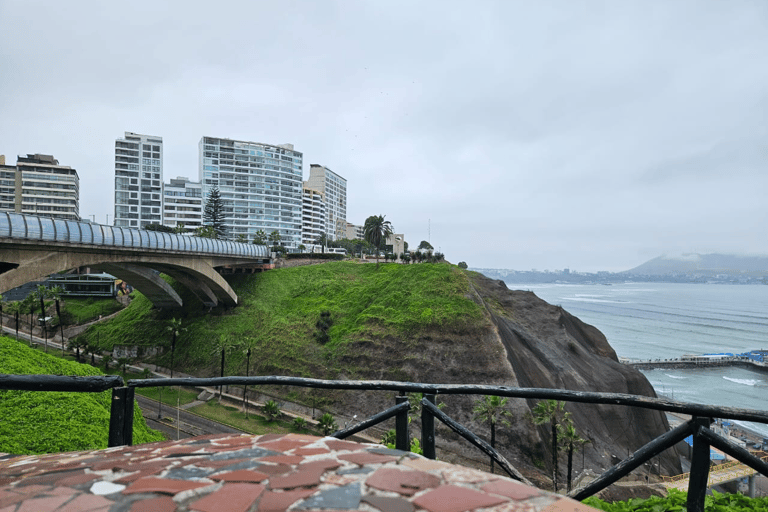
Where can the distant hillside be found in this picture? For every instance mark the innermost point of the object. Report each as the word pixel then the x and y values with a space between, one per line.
pixel 712 264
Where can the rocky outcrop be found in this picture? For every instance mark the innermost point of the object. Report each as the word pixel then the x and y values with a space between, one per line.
pixel 547 347
pixel 522 342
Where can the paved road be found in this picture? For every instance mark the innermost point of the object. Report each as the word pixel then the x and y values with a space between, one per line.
pixel 188 424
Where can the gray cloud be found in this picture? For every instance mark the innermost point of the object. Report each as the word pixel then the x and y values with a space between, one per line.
pixel 591 135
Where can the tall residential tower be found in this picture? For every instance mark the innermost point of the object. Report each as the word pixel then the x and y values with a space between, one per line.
pixel 138 180
pixel 38 185
pixel 259 183
pixel 334 190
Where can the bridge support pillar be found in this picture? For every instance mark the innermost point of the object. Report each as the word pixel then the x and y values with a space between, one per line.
pixel 752 486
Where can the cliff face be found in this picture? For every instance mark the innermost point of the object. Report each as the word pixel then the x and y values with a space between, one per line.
pixel 523 342
pixel 549 348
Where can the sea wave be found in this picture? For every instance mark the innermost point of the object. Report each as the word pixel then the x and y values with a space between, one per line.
pixel 675 376
pixel 585 299
pixel 745 382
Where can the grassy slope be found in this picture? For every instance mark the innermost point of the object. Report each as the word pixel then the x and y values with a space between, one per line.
pixel 279 309
pixel 45 422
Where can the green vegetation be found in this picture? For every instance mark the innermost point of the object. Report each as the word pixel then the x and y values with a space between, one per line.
pixel 493 409
pixel 46 422
pixel 80 311
pixel 279 311
pixel 676 501
pixel 171 396
pixel 327 424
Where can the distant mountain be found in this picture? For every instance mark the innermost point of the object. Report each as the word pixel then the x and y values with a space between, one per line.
pixel 706 264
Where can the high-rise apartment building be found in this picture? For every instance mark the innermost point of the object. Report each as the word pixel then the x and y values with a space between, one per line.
pixel 334 190
pixel 138 180
pixel 312 217
pixel 38 185
pixel 260 184
pixel 183 204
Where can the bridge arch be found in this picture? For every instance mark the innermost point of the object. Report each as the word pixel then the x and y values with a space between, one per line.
pixel 33 247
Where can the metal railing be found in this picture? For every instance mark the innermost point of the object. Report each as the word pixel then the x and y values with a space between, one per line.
pixel 120 432
pixel 32 227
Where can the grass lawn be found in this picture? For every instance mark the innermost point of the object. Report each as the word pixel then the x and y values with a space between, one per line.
pixel 170 395
pixel 255 424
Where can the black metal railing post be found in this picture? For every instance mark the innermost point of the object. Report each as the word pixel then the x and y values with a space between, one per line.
pixel 121 417
pixel 402 436
pixel 428 428
pixel 697 482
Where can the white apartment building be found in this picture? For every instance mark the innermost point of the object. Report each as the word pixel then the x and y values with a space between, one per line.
pixel 312 217
pixel 138 180
pixel 260 184
pixel 38 185
pixel 334 190
pixel 183 204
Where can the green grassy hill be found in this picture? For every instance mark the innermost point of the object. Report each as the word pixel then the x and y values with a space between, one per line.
pixel 279 311
pixel 46 422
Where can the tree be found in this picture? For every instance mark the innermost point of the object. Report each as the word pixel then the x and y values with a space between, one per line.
pixel 158 227
pixel 570 439
pixel 275 238
pixel 260 238
pixel 322 241
pixel 41 293
pixel 175 328
pixel 327 424
pixel 213 213
pixel 302 247
pixel 463 264
pixel 205 232
pixel 224 344
pixel 242 238
pixel 247 345
pixel 550 411
pixel 493 410
pixel 76 344
pixel 55 292
pixel 180 228
pixel 271 410
pixel 425 246
pixel 122 363
pixel 93 350
pixel 376 230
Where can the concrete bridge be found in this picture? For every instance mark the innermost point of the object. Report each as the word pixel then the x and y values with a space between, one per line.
pixel 33 247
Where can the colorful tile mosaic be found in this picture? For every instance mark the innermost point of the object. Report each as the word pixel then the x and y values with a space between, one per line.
pixel 271 473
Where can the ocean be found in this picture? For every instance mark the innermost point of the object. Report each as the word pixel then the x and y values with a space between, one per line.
pixel 664 320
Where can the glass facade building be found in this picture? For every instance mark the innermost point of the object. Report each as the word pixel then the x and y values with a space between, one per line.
pixel 260 184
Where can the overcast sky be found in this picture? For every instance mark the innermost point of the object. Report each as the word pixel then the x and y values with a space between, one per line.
pixel 589 135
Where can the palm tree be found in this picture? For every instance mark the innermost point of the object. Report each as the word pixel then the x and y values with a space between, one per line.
pixel 570 439
pixel 41 293
pixel 550 411
pixel 55 292
pixel 223 345
pixel 376 231
pixel 29 303
pixel 175 328
pixel 492 409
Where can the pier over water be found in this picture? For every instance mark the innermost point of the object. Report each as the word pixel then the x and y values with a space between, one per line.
pixel 755 360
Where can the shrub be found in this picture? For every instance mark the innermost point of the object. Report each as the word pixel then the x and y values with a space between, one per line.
pixel 463 264
pixel 327 424
pixel 271 410
pixel 299 424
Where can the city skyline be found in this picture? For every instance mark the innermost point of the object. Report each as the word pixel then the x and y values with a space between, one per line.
pixel 591 136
